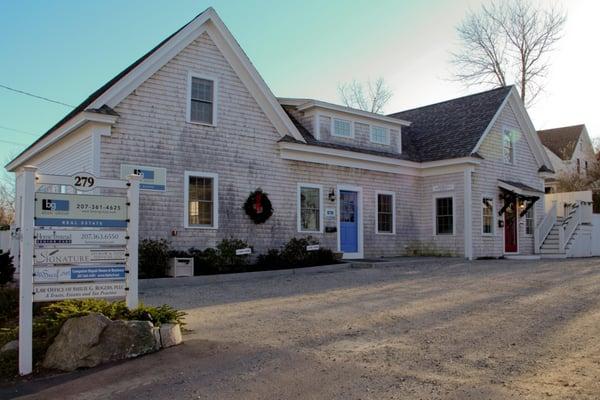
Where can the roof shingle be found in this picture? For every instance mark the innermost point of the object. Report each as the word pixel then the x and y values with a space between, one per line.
pixel 561 141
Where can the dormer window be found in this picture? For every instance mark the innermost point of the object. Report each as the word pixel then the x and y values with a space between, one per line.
pixel 201 100
pixel 380 135
pixel 342 128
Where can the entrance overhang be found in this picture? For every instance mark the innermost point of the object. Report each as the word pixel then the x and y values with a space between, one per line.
pixel 514 191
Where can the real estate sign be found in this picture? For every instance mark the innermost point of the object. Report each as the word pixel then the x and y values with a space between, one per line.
pixel 53 209
pixel 63 291
pixel 153 178
pixel 69 255
pixel 81 237
pixel 54 274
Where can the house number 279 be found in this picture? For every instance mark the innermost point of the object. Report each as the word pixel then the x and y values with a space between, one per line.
pixel 83 181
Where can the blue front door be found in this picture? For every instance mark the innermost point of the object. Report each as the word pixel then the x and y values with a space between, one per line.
pixel 348 221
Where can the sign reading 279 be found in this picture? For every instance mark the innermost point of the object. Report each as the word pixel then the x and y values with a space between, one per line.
pixel 84 181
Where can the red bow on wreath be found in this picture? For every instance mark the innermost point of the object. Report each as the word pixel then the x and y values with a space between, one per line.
pixel 258 206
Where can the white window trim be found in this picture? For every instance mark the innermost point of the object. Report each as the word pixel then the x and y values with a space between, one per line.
pixel 488 196
pixel 532 209
pixel 215 81
pixel 387 135
pixel 512 141
pixel 377 231
pixel 332 132
pixel 442 195
pixel 186 192
pixel 298 207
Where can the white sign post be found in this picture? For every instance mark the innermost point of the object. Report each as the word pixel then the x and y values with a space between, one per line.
pixel 75 246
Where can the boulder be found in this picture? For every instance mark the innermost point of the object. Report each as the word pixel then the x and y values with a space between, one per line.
pixel 170 335
pixel 94 339
pixel 13 345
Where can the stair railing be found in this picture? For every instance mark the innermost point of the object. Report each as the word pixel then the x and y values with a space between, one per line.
pixel 569 226
pixel 543 229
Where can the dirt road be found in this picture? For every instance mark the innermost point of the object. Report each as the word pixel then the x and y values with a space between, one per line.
pixel 426 329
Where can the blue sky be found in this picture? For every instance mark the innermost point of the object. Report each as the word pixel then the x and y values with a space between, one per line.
pixel 67 49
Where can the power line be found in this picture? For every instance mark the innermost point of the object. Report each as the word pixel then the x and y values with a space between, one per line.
pixel 35 95
pixel 17 130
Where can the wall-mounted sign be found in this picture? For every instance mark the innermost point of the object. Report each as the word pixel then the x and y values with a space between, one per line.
pixel 84 181
pixel 312 247
pixel 330 212
pixel 78 273
pixel 53 209
pixel 244 251
pixel 62 256
pixel 63 291
pixel 153 178
pixel 443 188
pixel 57 237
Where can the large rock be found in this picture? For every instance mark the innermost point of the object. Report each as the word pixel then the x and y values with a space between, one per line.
pixel 94 339
pixel 170 335
pixel 13 345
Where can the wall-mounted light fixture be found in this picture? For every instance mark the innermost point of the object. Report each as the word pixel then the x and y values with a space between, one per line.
pixel 331 195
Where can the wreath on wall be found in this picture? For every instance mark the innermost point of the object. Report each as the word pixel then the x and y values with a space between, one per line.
pixel 258 206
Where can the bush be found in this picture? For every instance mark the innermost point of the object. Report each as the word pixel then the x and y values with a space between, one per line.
pixel 294 254
pixel 153 258
pixel 226 252
pixel 7 269
pixel 426 249
pixel 9 304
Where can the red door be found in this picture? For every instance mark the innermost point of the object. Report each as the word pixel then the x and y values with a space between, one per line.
pixel 510 228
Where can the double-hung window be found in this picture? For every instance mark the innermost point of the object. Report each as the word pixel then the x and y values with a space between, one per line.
pixel 201 100
pixel 529 227
pixel 342 128
pixel 309 208
pixel 201 193
pixel 444 216
pixel 487 216
pixel 385 213
pixel 380 135
pixel 508 148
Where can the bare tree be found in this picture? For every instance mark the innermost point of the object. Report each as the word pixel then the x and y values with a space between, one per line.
pixel 7 197
pixel 372 99
pixel 508 42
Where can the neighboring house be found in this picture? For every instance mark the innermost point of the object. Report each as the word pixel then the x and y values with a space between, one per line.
pixel 464 176
pixel 570 150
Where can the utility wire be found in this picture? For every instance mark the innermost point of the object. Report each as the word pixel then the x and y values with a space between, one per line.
pixel 17 130
pixel 36 96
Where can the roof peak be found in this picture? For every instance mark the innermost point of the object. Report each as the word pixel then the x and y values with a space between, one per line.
pixel 561 128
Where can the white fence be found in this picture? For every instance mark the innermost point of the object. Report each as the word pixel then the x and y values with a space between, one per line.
pixel 596 235
pixel 566 198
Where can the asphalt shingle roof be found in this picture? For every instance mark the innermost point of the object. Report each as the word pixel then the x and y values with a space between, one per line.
pixel 451 129
pixel 561 141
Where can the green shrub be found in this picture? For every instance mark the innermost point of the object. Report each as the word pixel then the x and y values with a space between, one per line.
pixel 294 254
pixel 7 269
pixel 226 252
pixel 153 258
pixel 9 304
pixel 426 249
pixel 272 259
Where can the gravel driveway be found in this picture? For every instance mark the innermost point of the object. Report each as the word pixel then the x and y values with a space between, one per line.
pixel 423 329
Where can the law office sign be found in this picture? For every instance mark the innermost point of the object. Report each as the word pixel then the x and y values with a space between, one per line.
pixel 55 274
pixel 153 178
pixel 67 237
pixel 75 210
pixel 64 291
pixel 70 255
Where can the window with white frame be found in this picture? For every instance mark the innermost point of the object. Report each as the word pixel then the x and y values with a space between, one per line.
pixel 529 227
pixel 202 100
pixel 380 135
pixel 201 191
pixel 487 216
pixel 342 128
pixel 508 148
pixel 385 213
pixel 309 208
pixel 444 216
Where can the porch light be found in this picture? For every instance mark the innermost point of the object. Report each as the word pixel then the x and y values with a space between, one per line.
pixel 331 195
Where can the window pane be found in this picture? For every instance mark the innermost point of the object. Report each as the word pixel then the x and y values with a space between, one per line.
pixel 200 192
pixel 310 209
pixel 342 128
pixel 444 216
pixel 385 217
pixel 488 215
pixel 507 144
pixel 529 226
pixel 379 135
pixel 201 112
pixel 202 89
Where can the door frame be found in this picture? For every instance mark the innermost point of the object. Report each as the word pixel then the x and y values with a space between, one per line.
pixel 518 228
pixel 359 211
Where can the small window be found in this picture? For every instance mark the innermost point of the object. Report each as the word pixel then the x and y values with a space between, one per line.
pixel 586 168
pixel 380 135
pixel 201 190
pixel 529 222
pixel 385 213
pixel 508 147
pixel 578 166
pixel 488 216
pixel 342 127
pixel 444 216
pixel 309 209
pixel 201 100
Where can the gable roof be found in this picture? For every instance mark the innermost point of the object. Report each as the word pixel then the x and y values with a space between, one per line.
pixel 111 93
pixel 562 141
pixel 452 128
